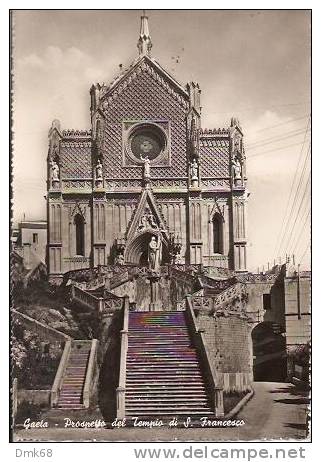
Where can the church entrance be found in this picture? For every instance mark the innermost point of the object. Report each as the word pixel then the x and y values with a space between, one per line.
pixel 137 251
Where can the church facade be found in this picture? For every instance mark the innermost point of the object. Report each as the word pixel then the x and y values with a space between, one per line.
pixel 146 184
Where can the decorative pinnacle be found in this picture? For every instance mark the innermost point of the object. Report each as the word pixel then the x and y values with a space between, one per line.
pixel 144 44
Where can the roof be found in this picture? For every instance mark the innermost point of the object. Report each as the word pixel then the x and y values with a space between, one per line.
pixel 41 224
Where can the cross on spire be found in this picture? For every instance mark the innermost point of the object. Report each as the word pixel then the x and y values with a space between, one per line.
pixel 144 44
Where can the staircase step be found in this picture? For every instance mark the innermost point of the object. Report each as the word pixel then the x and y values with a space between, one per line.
pixel 169 386
pixel 167 399
pixel 163 375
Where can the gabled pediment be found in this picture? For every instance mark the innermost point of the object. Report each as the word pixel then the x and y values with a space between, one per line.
pixel 155 70
pixel 78 210
pixel 216 210
pixel 147 217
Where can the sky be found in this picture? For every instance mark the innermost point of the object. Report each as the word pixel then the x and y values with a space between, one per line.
pixel 254 65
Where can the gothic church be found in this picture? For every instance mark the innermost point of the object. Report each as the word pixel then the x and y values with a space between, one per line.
pixel 146 185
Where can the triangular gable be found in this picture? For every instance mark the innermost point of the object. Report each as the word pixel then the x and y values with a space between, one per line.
pixel 141 222
pixel 156 71
pixel 216 209
pixel 77 209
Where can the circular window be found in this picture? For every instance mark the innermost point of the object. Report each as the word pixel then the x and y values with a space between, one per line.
pixel 147 141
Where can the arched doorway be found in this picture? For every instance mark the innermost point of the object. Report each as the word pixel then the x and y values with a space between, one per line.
pixel 136 252
pixel 269 353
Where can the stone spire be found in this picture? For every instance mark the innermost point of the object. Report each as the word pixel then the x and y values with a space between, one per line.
pixel 144 42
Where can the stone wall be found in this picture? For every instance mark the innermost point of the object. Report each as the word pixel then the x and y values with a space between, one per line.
pixel 108 360
pixel 229 342
pixel 38 397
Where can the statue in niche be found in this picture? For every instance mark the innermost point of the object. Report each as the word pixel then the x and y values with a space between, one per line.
pixel 99 170
pixel 146 172
pixel 154 253
pixel 147 221
pixel 237 144
pixel 194 169
pixel 119 259
pixel 54 171
pixel 151 221
pixel 143 223
pixel 237 171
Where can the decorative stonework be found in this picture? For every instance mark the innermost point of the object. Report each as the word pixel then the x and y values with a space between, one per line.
pixel 77 184
pixel 158 103
pixel 75 159
pixel 168 183
pixel 123 184
pixel 216 183
pixel 71 133
pixel 146 139
pixel 144 66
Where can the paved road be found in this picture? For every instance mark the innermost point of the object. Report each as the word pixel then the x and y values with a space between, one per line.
pixel 276 411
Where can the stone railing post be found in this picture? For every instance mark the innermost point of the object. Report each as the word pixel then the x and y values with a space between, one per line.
pixel 14 400
pixel 59 375
pixel 121 389
pixel 101 305
pixel 90 374
pixel 219 402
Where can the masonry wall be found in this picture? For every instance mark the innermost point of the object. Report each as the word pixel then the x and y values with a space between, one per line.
pixel 229 342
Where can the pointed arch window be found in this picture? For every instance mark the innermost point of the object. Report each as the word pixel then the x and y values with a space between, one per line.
pixel 80 234
pixel 218 234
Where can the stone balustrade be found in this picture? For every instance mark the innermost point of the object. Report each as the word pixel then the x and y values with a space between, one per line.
pixel 121 389
pixel 213 380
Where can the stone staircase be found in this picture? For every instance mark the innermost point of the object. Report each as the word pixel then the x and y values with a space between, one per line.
pixel 71 392
pixel 163 374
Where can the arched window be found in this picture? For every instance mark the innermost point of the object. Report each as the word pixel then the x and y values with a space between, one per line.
pixel 218 233
pixel 80 234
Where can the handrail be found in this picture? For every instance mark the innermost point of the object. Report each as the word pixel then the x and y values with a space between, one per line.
pixel 214 302
pixel 121 390
pixel 40 325
pixel 215 388
pixel 87 299
pixel 238 288
pixel 90 373
pixel 54 395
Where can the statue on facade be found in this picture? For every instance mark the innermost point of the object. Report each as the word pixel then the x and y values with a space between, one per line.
pixel 151 221
pixel 147 221
pixel 99 170
pixel 119 259
pixel 146 171
pixel 194 172
pixel 154 253
pixel 54 171
pixel 237 171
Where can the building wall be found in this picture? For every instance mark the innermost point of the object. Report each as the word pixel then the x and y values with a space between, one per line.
pixel 255 304
pixel 297 310
pixel 30 232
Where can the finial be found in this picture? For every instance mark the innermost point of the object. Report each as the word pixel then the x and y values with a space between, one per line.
pixel 235 122
pixel 144 41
